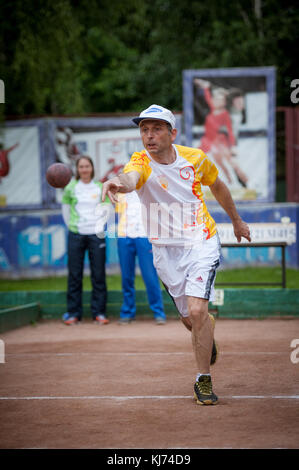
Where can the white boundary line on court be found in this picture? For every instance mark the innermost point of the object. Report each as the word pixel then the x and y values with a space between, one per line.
pixel 154 397
pixel 149 353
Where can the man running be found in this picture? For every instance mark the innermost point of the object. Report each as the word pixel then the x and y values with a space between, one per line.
pixel 168 179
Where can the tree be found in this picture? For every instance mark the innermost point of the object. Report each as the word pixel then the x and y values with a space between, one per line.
pixel 40 60
pixel 80 56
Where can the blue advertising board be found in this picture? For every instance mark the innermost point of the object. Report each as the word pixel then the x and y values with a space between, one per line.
pixel 32 245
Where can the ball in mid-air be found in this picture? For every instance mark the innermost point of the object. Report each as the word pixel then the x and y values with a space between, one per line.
pixel 58 175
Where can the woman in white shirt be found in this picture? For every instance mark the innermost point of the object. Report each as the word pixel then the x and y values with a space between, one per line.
pixel 79 202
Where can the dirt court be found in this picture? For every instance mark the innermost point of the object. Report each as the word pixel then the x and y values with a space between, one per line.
pixel 131 387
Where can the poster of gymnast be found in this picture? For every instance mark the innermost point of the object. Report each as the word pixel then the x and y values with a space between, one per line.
pixel 230 115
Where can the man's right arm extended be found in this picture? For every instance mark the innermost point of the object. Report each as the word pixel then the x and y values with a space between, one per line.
pixel 123 183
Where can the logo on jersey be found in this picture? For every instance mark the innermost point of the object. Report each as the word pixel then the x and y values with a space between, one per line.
pixel 163 182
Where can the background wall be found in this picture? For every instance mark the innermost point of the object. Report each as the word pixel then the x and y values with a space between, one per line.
pixel 35 243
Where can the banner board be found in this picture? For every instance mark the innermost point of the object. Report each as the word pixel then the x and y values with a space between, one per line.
pixel 109 142
pixel 28 147
pixel 20 167
pixel 230 115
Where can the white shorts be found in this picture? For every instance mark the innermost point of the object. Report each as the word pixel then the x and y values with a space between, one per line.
pixel 188 271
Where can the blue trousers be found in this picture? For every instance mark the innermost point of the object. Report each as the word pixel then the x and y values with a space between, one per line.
pixel 128 250
pixel 96 248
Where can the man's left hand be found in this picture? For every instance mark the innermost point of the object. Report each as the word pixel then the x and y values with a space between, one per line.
pixel 241 229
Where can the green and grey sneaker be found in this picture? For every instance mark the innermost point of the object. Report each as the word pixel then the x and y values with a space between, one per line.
pixel 203 392
pixel 215 349
pixel 215 352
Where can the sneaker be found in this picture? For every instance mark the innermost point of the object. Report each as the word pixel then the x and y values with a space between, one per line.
pixel 101 320
pixel 212 318
pixel 160 320
pixel 69 319
pixel 126 320
pixel 203 392
pixel 215 353
pixel 215 349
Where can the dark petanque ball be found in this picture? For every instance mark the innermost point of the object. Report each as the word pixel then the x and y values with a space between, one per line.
pixel 58 175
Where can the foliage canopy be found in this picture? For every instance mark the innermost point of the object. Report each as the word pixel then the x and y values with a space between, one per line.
pixel 89 56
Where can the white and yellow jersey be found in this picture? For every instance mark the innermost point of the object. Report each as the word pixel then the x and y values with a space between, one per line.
pixel 173 208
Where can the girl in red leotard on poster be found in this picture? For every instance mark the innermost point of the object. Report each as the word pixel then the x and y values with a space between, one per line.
pixel 219 139
pixel 4 162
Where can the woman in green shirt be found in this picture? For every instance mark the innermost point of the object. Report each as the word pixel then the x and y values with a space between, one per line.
pixel 81 198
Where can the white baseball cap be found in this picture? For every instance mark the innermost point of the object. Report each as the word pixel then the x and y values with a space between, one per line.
pixel 156 112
